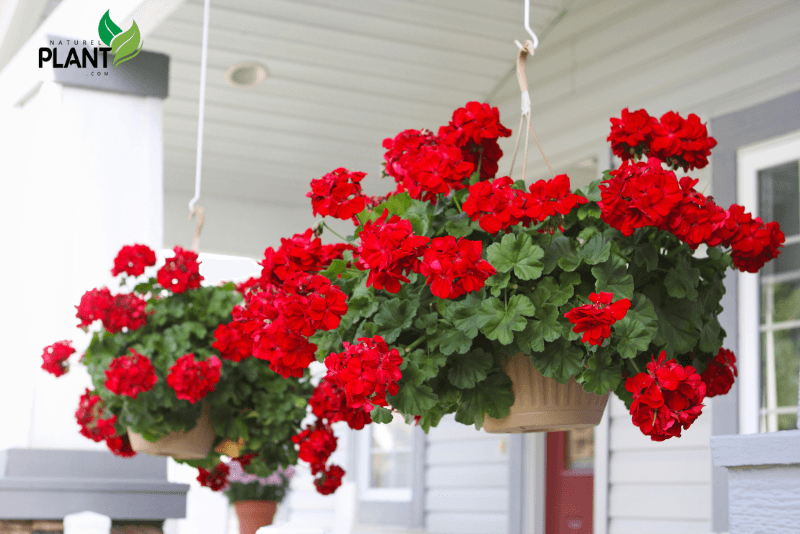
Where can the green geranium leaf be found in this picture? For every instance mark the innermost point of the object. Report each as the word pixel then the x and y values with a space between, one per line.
pixel 601 374
pixel 590 209
pixel 413 399
pixel 545 327
pixel 518 253
pixel 499 321
pixel 450 340
pixel 381 415
pixel 470 369
pixel 363 302
pixel 335 268
pixel 394 317
pixel 565 253
pixel 681 281
pixel 492 397
pixel 646 254
pixel 427 322
pixel 419 217
pixel 592 191
pixel 631 336
pixel 459 226
pixel 559 360
pixel 498 282
pixel 427 364
pixel 678 324
pixel 612 276
pixel 462 314
pixel 396 204
pixel 596 250
pixel 710 338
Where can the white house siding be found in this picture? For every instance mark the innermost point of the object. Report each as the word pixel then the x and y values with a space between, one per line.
pixel 466 480
pixel 694 56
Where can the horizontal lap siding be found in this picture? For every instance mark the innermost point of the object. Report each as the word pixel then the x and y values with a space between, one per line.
pixel 466 480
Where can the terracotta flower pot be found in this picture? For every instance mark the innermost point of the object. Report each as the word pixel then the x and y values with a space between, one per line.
pixel 254 514
pixel 543 405
pixel 192 445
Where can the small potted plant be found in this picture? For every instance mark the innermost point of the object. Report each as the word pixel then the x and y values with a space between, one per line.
pixel 255 498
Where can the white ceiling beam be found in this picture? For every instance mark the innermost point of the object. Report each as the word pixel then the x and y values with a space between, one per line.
pixel 18 19
pixel 73 19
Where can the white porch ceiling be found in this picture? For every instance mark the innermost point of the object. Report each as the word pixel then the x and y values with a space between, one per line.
pixel 343 75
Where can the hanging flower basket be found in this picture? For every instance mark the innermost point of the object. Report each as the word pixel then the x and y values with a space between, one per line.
pixel 543 405
pixel 192 445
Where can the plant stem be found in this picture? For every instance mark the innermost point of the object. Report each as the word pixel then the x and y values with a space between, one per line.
pixel 333 231
pixel 456 202
pixel 635 366
pixel 415 344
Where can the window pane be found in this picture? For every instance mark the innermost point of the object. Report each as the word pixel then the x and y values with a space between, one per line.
pixel 787 366
pixel 780 196
pixel 786 304
pixel 391 454
pixel 382 465
pixel 788 261
pixel 580 449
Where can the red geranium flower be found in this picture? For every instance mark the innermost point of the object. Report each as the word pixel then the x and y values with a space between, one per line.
pixel 666 398
pixel 595 320
pixel 631 135
pixel 120 445
pixel 639 195
pixel 300 253
pixel 329 480
pixel 216 479
pixel 338 194
pixel 232 342
pixel 681 142
pixel 390 250
pixel 55 356
pixel 475 129
pixel 366 372
pixel 497 204
pixel 316 444
pixel 551 197
pixel 132 260
pixel 94 306
pixel 126 311
pixel 193 380
pixel 130 375
pixel 180 272
pixel 453 268
pixel 329 402
pixel 720 373
pixel 89 418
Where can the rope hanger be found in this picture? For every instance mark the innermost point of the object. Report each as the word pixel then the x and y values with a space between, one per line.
pixel 193 209
pixel 526 49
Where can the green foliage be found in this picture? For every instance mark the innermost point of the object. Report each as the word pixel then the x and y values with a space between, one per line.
pixel 255 491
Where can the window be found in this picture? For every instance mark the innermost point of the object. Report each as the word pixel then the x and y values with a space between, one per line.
pixel 387 460
pixel 769 302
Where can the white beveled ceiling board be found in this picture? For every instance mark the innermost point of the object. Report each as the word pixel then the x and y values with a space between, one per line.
pixel 342 77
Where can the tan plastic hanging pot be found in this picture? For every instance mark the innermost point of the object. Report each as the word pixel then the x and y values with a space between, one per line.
pixel 543 405
pixel 192 445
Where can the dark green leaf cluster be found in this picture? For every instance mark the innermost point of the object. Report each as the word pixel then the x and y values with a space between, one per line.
pixel 255 491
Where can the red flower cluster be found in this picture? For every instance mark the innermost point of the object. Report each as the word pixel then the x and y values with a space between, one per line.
pixel 366 372
pixel 644 194
pixel 329 402
pixel 301 253
pixel 638 195
pixel 130 375
pixel 114 311
pixel 180 272
pixel 121 446
pixel 193 380
pixel 666 398
pixel 233 342
pixel 89 418
pixel 453 268
pixel 287 316
pixel 338 194
pixel 677 141
pixel 330 480
pixel 500 206
pixel 316 444
pixel 55 356
pixel 390 250
pixel 720 373
pixel 401 153
pixel 595 320
pixel 475 129
pixel 496 204
pixel 132 260
pixel 216 479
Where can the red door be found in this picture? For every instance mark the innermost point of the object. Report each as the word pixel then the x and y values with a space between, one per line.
pixel 569 482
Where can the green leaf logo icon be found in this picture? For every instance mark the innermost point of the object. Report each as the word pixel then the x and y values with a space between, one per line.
pixel 124 45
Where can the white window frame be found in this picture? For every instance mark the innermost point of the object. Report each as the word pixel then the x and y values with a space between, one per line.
pixel 749 161
pixel 369 493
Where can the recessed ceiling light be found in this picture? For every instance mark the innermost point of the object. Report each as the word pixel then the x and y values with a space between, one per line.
pixel 246 74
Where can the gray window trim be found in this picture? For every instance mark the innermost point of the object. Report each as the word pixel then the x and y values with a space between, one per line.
pixel 752 125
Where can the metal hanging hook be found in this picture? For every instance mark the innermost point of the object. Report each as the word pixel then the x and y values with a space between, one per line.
pixel 528 26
